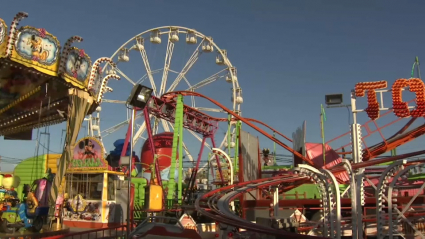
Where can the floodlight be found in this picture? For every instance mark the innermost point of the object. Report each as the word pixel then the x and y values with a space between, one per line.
pixel 334 99
pixel 140 96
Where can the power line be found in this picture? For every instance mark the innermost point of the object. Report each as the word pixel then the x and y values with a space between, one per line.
pixel 40 144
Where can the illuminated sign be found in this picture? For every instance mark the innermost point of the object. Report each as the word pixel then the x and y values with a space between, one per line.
pixel 400 108
pixel 188 222
pixel 88 156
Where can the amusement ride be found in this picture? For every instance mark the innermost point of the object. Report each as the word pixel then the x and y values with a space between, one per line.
pixel 159 181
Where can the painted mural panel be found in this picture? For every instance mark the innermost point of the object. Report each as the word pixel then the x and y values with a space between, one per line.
pixel 97 83
pixel 37 48
pixel 3 37
pixel 77 67
pixel 88 156
pixel 36 45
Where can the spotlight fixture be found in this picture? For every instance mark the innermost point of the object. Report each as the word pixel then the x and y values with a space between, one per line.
pixel 140 96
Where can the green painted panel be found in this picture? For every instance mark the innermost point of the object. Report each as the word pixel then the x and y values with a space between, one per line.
pixel 29 170
pixel 310 190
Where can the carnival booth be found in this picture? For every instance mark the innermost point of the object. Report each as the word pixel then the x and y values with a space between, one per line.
pixel 91 188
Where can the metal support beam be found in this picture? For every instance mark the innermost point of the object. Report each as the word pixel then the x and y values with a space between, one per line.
pixel 381 188
pixel 353 196
pixel 391 226
pixel 319 179
pixel 333 188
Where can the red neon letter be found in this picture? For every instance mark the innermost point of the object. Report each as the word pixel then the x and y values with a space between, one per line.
pixel 417 85
pixel 372 109
pixel 400 108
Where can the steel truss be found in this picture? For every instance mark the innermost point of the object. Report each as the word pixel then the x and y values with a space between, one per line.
pixel 330 200
pixel 386 191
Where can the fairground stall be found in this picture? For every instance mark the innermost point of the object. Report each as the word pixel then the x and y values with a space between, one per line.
pixel 92 188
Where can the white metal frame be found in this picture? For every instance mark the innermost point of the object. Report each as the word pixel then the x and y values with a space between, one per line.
pixel 204 45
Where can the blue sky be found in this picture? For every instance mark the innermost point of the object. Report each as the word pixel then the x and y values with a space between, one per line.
pixel 289 54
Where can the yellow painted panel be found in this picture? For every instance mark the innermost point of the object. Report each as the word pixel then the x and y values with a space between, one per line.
pixel 154 198
pixel 105 212
pixel 38 49
pixel 3 37
pixel 52 162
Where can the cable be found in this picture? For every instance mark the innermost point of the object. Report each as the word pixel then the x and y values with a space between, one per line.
pixel 6 157
pixel 42 145
pixel 349 115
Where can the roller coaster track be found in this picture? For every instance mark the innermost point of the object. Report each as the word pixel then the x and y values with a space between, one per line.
pixel 215 205
pixel 393 142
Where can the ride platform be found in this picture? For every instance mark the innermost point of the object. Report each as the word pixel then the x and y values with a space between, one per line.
pixel 44 233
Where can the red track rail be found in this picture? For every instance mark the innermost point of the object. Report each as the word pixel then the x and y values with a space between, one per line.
pixel 194 120
pixel 388 144
pixel 171 95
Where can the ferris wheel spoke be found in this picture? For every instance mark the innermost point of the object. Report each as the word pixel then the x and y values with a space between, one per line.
pixel 148 68
pixel 165 125
pixel 114 101
pixel 207 81
pixel 209 109
pixel 192 59
pixel 167 62
pixel 114 128
pixel 155 126
pixel 143 78
pixel 125 76
pixel 139 133
pixel 191 97
pixel 140 137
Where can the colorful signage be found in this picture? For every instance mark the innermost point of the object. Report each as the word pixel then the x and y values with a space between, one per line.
pixel 77 67
pixel 400 107
pixel 97 83
pixel 188 222
pixel 3 37
pixel 88 156
pixel 37 48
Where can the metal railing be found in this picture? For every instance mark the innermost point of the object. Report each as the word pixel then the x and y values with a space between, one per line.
pixel 102 233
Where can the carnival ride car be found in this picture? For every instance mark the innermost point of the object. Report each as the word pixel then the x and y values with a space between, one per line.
pixel 30 214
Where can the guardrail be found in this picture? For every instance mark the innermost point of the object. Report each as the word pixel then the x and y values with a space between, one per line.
pixel 102 233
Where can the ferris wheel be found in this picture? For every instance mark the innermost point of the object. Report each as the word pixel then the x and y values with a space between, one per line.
pixel 168 59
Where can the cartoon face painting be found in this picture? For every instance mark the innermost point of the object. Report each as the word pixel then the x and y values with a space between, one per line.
pixel 77 66
pixel 87 150
pixel 37 51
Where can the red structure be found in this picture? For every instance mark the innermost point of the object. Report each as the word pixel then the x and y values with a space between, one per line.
pixel 163 147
